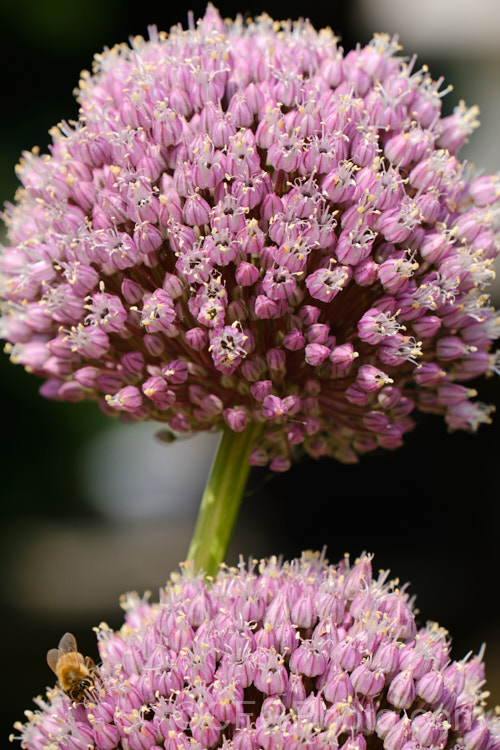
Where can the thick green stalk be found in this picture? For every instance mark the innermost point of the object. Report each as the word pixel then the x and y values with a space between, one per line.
pixel 222 499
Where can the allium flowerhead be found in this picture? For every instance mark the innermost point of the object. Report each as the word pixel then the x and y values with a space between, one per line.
pixel 296 656
pixel 246 225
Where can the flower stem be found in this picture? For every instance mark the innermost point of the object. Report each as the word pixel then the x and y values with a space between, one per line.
pixel 222 498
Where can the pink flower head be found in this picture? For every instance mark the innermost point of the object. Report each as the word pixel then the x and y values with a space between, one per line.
pixel 243 200
pixel 277 655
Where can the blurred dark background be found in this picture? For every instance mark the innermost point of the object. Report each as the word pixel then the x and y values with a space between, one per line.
pixel 92 508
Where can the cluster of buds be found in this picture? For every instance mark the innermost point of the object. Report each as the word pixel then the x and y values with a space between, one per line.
pixel 296 656
pixel 246 225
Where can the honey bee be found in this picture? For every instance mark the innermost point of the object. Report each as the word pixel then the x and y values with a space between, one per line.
pixel 74 672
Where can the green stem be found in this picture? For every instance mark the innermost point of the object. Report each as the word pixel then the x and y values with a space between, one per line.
pixel 222 499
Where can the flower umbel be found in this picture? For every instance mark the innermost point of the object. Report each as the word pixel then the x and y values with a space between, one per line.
pixel 302 655
pixel 244 225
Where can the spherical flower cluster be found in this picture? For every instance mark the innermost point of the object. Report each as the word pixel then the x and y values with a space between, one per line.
pixel 296 656
pixel 246 225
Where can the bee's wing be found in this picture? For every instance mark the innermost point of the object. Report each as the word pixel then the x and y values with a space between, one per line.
pixel 67 644
pixel 53 658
